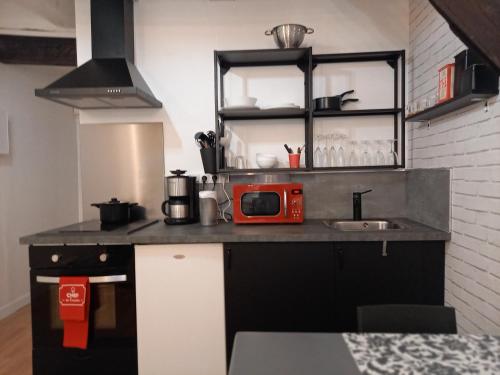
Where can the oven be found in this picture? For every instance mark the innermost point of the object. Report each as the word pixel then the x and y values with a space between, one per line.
pixel 112 340
pixel 268 203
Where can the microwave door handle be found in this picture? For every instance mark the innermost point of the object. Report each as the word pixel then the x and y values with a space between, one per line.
pixel 285 203
pixel 92 279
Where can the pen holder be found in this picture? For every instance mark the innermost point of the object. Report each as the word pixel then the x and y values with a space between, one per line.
pixel 294 160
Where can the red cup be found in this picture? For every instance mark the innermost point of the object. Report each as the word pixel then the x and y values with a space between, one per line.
pixel 294 160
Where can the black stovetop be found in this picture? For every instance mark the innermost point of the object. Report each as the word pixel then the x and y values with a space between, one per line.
pixel 94 226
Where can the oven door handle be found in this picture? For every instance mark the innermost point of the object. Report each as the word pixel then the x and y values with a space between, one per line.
pixel 92 279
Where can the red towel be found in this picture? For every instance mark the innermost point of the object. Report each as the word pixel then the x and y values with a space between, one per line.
pixel 74 300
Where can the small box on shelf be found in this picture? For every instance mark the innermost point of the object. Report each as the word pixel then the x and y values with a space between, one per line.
pixel 445 85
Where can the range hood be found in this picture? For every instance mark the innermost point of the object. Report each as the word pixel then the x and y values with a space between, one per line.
pixel 110 79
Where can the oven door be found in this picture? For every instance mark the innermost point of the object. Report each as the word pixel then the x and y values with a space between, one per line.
pixel 112 312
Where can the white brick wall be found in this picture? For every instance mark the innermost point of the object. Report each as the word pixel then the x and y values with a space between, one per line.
pixel 468 141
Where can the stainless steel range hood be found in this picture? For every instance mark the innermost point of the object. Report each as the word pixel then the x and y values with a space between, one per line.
pixel 110 79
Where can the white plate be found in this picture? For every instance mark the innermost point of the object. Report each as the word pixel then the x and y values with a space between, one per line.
pixel 282 106
pixel 239 107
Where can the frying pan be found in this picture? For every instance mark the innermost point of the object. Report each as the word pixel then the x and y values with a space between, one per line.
pixel 332 103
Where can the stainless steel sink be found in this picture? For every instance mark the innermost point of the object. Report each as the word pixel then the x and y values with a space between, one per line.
pixel 362 225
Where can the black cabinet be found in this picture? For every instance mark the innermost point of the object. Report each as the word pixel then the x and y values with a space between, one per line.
pixel 404 273
pixel 316 287
pixel 285 287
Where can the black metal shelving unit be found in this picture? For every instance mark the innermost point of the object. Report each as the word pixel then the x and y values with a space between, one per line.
pixel 225 60
pixel 265 114
pixel 306 62
pixel 357 112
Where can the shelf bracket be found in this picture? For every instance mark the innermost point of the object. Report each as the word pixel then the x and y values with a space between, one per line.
pixel 224 69
pixel 392 63
pixel 302 66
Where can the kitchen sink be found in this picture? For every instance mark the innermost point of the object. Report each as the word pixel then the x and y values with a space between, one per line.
pixel 361 225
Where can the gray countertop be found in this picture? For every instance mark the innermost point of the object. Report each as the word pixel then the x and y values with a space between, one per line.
pixel 271 353
pixel 309 231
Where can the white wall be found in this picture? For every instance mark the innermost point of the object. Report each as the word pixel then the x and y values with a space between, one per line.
pixel 38 178
pixel 53 18
pixel 175 40
pixel 468 141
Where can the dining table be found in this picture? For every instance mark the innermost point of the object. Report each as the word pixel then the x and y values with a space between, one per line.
pixel 293 353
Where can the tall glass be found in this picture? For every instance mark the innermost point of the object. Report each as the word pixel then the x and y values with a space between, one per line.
pixel 366 158
pixel 379 155
pixel 353 155
pixel 324 151
pixel 392 155
pixel 341 157
pixel 332 154
pixel 317 156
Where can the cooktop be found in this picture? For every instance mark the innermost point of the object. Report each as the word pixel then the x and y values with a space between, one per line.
pixel 96 226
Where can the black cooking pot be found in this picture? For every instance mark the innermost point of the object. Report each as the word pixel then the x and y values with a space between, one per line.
pixel 114 211
pixel 332 103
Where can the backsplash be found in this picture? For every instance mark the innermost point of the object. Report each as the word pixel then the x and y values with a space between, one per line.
pixel 407 193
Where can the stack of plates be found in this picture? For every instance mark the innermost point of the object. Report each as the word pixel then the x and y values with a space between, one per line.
pixel 282 106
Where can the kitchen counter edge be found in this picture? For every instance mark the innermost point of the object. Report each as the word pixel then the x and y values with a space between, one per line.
pixel 312 230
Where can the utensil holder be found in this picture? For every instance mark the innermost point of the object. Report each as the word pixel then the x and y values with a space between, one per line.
pixel 294 160
pixel 208 159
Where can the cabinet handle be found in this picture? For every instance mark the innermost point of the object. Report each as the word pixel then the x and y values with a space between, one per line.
pixel 228 259
pixel 340 258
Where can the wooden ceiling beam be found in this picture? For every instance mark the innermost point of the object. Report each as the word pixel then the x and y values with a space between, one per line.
pixel 475 23
pixel 32 50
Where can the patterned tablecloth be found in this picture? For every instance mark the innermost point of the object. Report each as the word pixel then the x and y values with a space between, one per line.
pixel 409 354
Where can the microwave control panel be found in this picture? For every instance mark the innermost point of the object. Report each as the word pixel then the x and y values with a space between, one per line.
pixel 296 206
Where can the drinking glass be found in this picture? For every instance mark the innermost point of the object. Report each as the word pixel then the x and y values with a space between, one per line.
pixel 353 156
pixel 379 155
pixel 332 154
pixel 317 156
pixel 366 158
pixel 341 152
pixel 392 155
pixel 409 109
pixel 324 151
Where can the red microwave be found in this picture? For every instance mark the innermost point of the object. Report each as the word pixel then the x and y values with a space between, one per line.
pixel 268 203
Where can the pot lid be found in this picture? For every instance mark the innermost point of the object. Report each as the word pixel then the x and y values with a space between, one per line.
pixel 115 201
pixel 178 173
pixel 112 201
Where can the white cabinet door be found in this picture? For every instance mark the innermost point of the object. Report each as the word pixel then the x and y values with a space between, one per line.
pixel 180 309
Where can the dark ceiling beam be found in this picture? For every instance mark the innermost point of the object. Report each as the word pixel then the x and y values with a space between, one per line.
pixel 475 23
pixel 16 49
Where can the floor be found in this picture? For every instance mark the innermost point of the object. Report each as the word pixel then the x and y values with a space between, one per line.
pixel 15 343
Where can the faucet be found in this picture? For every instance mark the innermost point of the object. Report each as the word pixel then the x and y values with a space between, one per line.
pixel 356 204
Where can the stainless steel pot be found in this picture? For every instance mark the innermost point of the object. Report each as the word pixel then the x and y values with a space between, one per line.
pixel 114 211
pixel 289 35
pixel 175 210
pixel 178 185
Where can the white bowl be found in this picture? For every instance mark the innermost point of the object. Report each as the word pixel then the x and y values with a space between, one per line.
pixel 240 101
pixel 266 160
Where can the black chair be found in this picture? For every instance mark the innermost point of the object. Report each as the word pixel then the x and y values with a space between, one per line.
pixel 407 319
